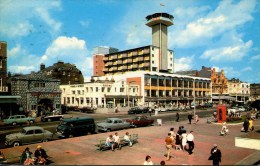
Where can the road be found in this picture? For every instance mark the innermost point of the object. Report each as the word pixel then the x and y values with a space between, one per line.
pixel 51 126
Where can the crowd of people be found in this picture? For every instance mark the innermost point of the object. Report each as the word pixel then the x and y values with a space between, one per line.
pixel 113 141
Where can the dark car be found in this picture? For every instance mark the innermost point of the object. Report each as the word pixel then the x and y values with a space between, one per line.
pixel 140 121
pixel 135 110
pixel 88 109
pixel 49 118
pixel 146 110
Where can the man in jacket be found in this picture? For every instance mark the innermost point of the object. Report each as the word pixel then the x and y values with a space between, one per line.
pixel 215 155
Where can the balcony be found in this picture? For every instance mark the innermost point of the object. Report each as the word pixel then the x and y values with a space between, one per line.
pixel 147 51
pixel 130 54
pixel 115 63
pixel 141 65
pixel 120 56
pixel 134 53
pixel 124 56
pixel 129 61
pixel 147 58
pixel 130 67
pixel 105 58
pixel 119 62
pixel 140 52
pixel 135 66
pixel 125 61
pixel 135 60
pixel 146 65
pixel 105 69
pixel 124 67
pixel 140 58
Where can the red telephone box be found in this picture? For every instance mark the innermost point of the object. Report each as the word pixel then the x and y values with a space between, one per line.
pixel 221 113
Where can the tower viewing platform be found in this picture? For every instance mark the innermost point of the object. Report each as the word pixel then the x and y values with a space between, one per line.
pixel 157 18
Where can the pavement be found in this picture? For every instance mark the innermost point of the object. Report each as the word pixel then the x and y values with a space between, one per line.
pixel 82 150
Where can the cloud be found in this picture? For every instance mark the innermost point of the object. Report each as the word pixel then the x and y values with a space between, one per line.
pixel 85 23
pixel 22 69
pixel 226 54
pixel 69 50
pixel 183 64
pixel 202 31
pixel 247 69
pixel 230 72
pixel 23 13
pixel 254 58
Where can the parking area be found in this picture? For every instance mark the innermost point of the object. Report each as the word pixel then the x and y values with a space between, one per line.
pixel 82 150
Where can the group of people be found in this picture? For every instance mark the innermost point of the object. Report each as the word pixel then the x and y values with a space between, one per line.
pixel 114 141
pixel 40 156
pixel 179 141
pixel 248 125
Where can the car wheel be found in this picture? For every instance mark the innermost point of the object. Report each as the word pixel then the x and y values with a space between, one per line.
pixel 45 140
pixel 108 130
pixel 16 144
pixel 31 121
pixel 14 123
pixel 70 136
pixel 61 118
pixel 49 120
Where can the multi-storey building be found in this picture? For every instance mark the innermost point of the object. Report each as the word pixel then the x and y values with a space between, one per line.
pixel 66 72
pixel 255 91
pixel 39 93
pixel 98 62
pixel 239 90
pixel 3 68
pixel 156 57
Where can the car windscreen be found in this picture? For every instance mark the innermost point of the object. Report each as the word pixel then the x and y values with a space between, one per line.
pixel 23 131
pixel 109 121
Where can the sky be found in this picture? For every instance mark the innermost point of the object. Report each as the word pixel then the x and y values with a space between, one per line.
pixel 219 34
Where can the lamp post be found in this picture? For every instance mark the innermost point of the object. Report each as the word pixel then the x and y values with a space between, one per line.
pixel 194 98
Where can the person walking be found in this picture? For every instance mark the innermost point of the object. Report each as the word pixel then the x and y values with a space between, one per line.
pixel 251 124
pixel 150 111
pixel 189 117
pixel 168 144
pixel 215 155
pixel 196 119
pixel 190 141
pixel 246 125
pixel 177 116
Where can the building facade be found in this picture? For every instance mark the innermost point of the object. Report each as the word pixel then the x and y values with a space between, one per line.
pixel 145 58
pixel 255 91
pixel 39 93
pixel 239 90
pixel 3 68
pixel 98 62
pixel 66 72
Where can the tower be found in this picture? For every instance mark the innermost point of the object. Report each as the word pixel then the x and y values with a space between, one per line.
pixel 159 23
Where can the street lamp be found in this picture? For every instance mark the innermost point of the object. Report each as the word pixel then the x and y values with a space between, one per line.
pixel 194 98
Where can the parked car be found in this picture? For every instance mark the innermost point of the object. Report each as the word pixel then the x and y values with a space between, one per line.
pixel 28 135
pixel 135 110
pixel 88 109
pixel 241 108
pixel 140 121
pixel 160 109
pixel 113 124
pixel 146 109
pixel 18 119
pixel 49 118
pixel 71 127
pixel 233 109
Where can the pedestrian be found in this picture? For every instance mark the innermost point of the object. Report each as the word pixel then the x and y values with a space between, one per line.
pixel 116 109
pixel 177 116
pixel 189 117
pixel 168 144
pixel 215 155
pixel 184 140
pixel 150 111
pixel 190 141
pixel 251 125
pixel 196 119
pixel 148 160
pixel 245 125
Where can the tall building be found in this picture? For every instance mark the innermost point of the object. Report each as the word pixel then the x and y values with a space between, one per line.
pixel 159 23
pixel 98 59
pixel 156 57
pixel 239 90
pixel 255 91
pixel 3 67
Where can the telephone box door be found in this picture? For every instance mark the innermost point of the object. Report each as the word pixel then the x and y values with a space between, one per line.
pixel 221 113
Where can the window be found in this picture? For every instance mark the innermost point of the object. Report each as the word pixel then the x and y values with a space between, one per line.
pixel 33 107
pixel 79 92
pixel 91 89
pixel 103 89
pixel 73 92
pixel 87 89
pixel 152 55
pixel 108 89
pixel 30 132
pixel 96 89
pixel 38 131
pixel 1 64
pixel 122 89
pixel 115 89
pixel 133 90
pixel 152 62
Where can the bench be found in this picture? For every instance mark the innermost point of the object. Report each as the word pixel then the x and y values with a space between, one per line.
pixel 102 143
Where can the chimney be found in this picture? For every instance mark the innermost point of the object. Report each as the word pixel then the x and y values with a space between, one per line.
pixel 42 66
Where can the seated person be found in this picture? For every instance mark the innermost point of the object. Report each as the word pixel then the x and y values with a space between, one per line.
pixel 127 139
pixel 26 158
pixel 2 158
pixel 117 141
pixel 110 142
pixel 41 155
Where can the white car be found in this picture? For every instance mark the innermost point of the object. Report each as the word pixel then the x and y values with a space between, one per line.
pixel 233 109
pixel 241 108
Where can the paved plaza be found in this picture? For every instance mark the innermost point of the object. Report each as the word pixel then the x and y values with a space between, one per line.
pixel 82 150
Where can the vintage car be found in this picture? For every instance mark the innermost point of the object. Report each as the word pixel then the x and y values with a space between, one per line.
pixel 113 124
pixel 140 121
pixel 49 118
pixel 87 109
pixel 18 119
pixel 135 110
pixel 28 135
